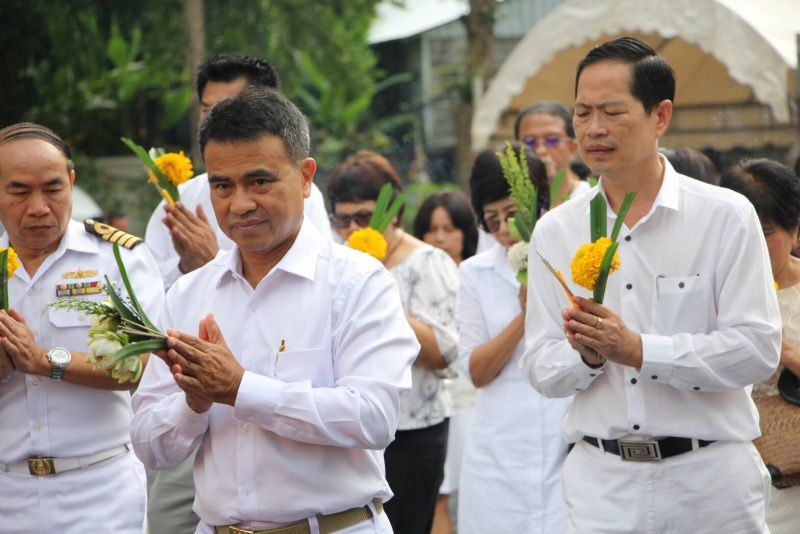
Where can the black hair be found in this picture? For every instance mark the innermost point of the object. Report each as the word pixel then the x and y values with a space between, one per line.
pixel 457 207
pixel 360 178
pixel 26 130
pixel 693 163
pixel 772 188
pixel 255 112
pixel 554 109
pixel 488 184
pixel 229 67
pixel 652 79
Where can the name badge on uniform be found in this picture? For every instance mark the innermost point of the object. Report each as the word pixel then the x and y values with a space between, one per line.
pixel 75 289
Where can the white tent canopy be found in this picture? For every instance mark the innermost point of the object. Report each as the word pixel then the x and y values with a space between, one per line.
pixel 753 41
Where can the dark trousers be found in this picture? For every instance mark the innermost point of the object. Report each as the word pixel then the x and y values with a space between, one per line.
pixel 414 470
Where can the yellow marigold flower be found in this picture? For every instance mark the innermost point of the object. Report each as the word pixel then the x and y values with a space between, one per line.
pixel 586 263
pixel 368 240
pixel 175 166
pixel 12 262
pixel 777 287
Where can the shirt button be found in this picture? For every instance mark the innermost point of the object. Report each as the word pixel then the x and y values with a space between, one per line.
pixel 37 427
pixel 636 427
pixel 31 292
pixel 253 307
pixel 654 377
pixel 633 380
pixel 681 285
pixel 35 381
pixel 628 286
pixel 627 238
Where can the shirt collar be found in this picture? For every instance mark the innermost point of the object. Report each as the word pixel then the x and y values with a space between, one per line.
pixel 299 260
pixel 75 238
pixel 668 195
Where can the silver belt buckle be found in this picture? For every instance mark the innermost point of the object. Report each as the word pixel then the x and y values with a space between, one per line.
pixel 639 451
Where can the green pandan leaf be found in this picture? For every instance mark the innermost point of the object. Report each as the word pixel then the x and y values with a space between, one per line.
pixel 140 347
pixel 131 295
pixel 598 217
pixel 4 279
pixel 602 277
pixel 555 186
pixel 144 155
pixel 623 212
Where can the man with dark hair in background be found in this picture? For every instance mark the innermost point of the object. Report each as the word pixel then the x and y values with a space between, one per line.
pixel 662 418
pixel 182 237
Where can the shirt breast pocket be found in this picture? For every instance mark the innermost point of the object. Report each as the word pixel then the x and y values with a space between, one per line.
pixel 684 304
pixel 314 365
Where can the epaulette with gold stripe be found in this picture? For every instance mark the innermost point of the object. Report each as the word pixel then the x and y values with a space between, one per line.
pixel 106 232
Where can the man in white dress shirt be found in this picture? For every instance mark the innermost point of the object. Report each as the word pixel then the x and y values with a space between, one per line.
pixel 662 417
pixel 66 464
pixel 289 388
pixel 186 236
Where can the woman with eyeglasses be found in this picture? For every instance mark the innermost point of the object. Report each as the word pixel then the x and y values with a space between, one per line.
pixel 510 474
pixel 428 281
pixel 546 127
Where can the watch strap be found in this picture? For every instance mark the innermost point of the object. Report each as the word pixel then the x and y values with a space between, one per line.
pixel 56 372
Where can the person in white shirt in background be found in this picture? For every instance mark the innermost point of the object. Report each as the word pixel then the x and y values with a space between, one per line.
pixel 186 236
pixel 287 354
pixel 66 465
pixel 510 474
pixel 662 418
pixel 546 127
pixel 446 220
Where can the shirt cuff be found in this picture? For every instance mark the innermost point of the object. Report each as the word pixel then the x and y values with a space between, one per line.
pixel 658 357
pixel 257 397
pixel 584 374
pixel 186 417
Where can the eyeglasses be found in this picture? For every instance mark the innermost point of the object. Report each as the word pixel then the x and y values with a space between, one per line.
pixel 493 223
pixel 550 141
pixel 361 219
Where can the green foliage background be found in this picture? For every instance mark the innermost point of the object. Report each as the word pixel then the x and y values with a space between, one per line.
pixel 94 71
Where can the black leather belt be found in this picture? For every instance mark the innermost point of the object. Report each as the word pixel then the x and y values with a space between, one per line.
pixel 646 451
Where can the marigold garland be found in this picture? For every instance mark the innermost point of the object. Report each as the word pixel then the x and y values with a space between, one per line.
pixel 586 263
pixel 370 241
pixel 175 166
pixel 13 262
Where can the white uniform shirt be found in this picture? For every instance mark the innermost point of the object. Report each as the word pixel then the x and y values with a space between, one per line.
pixel 40 416
pixel 309 425
pixel 197 192
pixel 695 281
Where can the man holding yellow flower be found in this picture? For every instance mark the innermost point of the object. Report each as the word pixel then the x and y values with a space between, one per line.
pixel 661 413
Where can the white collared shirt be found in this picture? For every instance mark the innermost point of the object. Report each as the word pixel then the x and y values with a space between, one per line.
pixel 310 424
pixel 40 416
pixel 695 282
pixel 196 192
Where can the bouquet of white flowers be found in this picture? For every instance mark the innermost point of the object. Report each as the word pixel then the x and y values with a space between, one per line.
pixel 120 331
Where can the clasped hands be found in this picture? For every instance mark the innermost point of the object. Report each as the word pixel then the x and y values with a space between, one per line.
pixel 203 366
pixel 599 334
pixel 18 348
pixel 192 236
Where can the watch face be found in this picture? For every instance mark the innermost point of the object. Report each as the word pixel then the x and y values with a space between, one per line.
pixel 59 357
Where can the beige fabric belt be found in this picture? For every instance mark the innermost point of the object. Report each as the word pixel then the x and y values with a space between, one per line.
pixel 42 466
pixel 327 523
